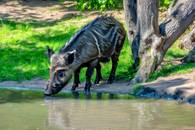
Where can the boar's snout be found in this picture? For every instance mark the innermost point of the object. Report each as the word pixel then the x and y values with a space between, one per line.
pixel 47 91
pixel 51 90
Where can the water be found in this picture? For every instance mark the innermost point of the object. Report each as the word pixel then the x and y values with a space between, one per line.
pixel 29 111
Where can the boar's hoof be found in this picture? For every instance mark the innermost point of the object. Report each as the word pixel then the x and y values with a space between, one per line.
pixel 75 94
pixel 87 92
pixel 87 88
pixel 97 81
pixel 74 87
pixel 110 80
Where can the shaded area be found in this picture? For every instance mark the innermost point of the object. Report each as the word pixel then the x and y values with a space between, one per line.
pixel 44 10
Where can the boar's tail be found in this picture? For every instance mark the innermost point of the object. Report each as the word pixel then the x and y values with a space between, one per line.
pixel 104 59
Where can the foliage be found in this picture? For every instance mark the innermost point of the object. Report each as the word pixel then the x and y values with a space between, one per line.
pixel 109 4
pixel 165 3
pixel 98 4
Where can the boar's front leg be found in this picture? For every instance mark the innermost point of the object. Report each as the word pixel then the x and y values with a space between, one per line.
pixel 88 83
pixel 76 79
pixel 98 73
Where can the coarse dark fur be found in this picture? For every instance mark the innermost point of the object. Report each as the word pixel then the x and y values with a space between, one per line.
pixel 101 39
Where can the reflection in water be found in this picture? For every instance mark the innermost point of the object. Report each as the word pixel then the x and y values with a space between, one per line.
pixel 67 114
pixel 26 110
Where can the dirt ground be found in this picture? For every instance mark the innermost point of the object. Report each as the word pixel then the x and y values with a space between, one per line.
pixel 180 87
pixel 36 9
pixel 45 10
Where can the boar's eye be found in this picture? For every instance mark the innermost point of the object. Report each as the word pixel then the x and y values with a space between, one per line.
pixel 61 74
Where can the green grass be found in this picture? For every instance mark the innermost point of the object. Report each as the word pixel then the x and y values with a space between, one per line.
pixel 23 47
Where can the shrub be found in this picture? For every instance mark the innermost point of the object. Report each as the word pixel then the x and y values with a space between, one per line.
pixel 99 4
pixel 109 4
pixel 165 3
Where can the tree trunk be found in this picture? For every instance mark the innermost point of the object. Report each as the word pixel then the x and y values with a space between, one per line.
pixel 130 9
pixel 153 40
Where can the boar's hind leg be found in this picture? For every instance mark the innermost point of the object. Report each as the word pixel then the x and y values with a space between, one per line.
pixel 98 73
pixel 76 79
pixel 114 58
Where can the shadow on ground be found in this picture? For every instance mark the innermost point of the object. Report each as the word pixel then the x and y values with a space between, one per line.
pixel 41 10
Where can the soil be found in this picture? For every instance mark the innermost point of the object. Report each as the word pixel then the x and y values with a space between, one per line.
pixel 45 10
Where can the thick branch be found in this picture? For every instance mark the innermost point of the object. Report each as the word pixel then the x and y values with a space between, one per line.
pixel 183 14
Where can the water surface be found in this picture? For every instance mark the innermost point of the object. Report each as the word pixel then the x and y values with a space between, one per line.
pixel 34 112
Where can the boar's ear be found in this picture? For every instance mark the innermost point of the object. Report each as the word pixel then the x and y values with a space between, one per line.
pixel 50 52
pixel 70 56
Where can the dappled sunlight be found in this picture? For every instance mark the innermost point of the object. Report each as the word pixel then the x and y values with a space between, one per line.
pixel 36 9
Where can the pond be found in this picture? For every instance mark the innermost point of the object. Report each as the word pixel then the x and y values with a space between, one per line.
pixel 30 110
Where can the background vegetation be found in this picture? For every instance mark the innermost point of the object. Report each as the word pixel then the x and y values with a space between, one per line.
pixel 109 4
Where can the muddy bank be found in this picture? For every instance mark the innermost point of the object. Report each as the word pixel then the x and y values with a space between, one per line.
pixel 39 84
pixel 179 87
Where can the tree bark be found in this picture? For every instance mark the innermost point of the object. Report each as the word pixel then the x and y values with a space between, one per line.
pixel 130 9
pixel 153 39
pixel 188 42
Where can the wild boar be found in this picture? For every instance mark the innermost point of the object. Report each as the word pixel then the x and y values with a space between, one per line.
pixel 102 38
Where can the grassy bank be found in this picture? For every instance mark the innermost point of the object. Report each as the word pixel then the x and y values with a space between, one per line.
pixel 23 47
